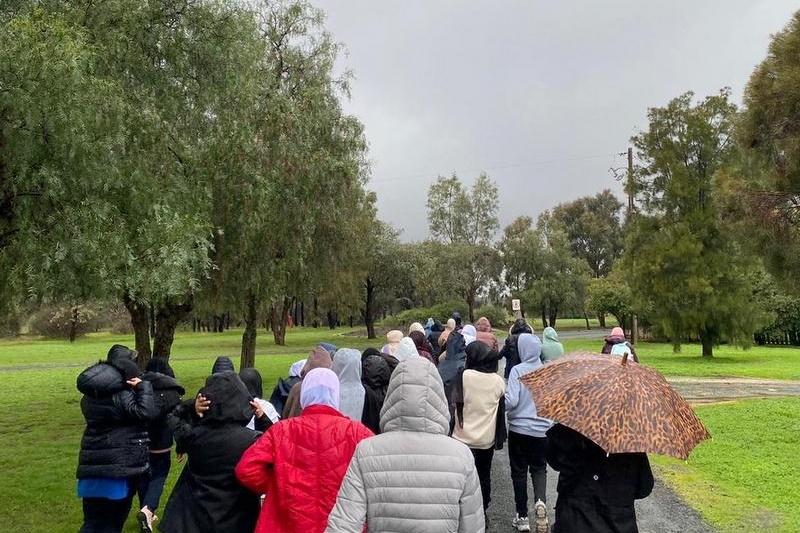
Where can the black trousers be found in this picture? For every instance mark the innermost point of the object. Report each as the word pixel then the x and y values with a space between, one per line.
pixel 101 515
pixel 483 464
pixel 527 454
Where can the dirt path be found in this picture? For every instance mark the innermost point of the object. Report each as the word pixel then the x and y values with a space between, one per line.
pixel 713 390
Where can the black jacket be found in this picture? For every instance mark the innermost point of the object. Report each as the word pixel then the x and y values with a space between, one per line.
pixel 115 441
pixel 375 375
pixel 596 491
pixel 167 394
pixel 207 498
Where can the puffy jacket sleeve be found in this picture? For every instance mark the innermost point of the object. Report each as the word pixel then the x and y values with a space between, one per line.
pixel 255 468
pixel 139 403
pixel 350 512
pixel 472 519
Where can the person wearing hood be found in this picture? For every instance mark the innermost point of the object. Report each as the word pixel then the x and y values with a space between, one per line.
pixel 470 334
pixel 299 463
pixel 449 327
pixel 615 339
pixel 375 375
pixel 347 366
pixel 424 348
pixel 428 325
pixel 167 394
pixel 416 326
pixel 411 462
pixel 117 406
pixel 318 358
pixel 596 490
pixel 281 391
pixel 221 364
pixel 390 359
pixel 527 440
pixel 393 338
pixel 509 351
pixel 480 411
pixel 451 362
pixel 405 349
pixel 206 498
pixel 265 413
pixel 433 337
pixel 551 348
pixel 485 333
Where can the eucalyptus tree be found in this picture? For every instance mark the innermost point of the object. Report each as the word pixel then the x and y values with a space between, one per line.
pixel 465 220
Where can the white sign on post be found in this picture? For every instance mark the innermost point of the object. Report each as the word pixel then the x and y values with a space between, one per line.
pixel 515 304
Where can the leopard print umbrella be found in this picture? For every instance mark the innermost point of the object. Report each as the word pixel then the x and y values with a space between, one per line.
pixel 620 405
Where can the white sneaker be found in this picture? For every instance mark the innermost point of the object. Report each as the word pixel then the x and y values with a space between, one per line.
pixel 145 517
pixel 521 523
pixel 540 512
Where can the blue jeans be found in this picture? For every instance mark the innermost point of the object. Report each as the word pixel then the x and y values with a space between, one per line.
pixel 151 485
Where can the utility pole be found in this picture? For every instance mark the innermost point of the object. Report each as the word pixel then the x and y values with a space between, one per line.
pixel 631 207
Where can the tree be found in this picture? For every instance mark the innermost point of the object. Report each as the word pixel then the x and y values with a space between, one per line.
pixel 769 137
pixel 466 221
pixel 681 258
pixel 387 271
pixel 611 295
pixel 593 228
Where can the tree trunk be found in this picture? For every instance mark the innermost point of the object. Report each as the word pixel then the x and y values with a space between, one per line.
pixel 141 329
pixel 553 315
pixel 248 359
pixel 586 318
pixel 601 317
pixel 369 309
pixel 168 316
pixel 708 346
pixel 278 321
pixel 73 325
pixel 544 317
pixel 471 307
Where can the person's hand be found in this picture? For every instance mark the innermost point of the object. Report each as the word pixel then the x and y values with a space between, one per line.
pixel 179 457
pixel 134 381
pixel 201 405
pixel 259 411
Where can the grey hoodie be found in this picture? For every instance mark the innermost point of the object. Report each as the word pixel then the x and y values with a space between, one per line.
pixel 412 462
pixel 520 408
pixel 347 365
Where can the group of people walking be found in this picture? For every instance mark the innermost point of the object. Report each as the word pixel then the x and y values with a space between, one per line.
pixel 400 438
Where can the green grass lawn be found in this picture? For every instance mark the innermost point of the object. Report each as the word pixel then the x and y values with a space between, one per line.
pixel 745 478
pixel 41 424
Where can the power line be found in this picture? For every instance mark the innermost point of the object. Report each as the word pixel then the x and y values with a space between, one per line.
pixel 497 167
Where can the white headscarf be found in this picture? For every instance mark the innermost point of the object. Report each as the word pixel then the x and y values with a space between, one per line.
pixel 470 333
pixel 320 386
pixel 294 370
pixel 347 365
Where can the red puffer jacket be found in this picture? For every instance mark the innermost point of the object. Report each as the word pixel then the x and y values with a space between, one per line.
pixel 299 463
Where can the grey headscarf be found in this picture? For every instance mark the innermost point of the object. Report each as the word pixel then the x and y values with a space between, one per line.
pixel 347 365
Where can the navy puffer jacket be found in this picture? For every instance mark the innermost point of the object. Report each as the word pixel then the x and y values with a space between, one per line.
pixel 115 442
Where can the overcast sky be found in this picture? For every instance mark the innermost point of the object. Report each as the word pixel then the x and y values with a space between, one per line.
pixel 540 95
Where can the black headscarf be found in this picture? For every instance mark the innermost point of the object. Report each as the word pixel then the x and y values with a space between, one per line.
pixel 252 380
pixel 230 399
pixel 122 358
pixel 482 358
pixel 520 326
pixel 222 363
pixel 159 364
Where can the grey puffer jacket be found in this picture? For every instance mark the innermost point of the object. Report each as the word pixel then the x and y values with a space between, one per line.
pixel 411 477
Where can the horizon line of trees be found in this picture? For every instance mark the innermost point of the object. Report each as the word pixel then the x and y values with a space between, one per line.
pixel 192 159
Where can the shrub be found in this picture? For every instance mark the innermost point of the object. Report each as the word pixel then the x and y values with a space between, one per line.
pixel 498 316
pixel 68 321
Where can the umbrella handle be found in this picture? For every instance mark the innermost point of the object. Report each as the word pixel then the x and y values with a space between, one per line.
pixel 625 358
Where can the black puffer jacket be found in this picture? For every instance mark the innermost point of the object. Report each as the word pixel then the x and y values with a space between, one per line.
pixel 509 351
pixel 115 442
pixel 167 394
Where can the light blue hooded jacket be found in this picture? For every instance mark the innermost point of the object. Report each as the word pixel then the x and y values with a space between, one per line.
pixel 520 408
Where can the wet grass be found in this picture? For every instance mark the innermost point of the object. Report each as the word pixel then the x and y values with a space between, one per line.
pixel 745 478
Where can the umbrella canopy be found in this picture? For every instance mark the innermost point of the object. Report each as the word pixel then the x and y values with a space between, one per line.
pixel 622 406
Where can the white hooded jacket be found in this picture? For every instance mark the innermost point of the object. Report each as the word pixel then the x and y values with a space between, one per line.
pixel 411 477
